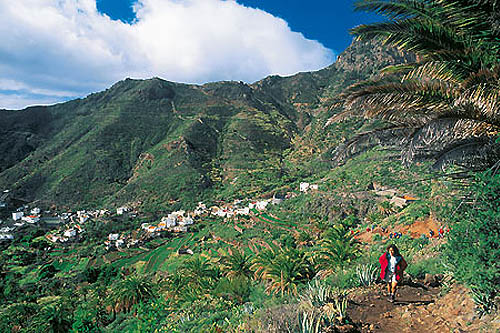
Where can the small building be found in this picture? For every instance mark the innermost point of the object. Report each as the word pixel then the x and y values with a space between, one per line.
pixel 179 228
pixel 313 187
pixel 122 210
pixel 35 211
pixel 186 221
pixel 119 243
pixel 6 237
pixel 17 215
pixel 261 205
pixel 83 218
pixel 303 187
pixel 70 233
pixel 169 221
pixel 243 211
pixel 151 229
pixel 113 237
pixel 32 219
pixel 52 238
pixel 402 201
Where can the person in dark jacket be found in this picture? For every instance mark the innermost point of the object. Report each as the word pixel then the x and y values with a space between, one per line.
pixel 392 266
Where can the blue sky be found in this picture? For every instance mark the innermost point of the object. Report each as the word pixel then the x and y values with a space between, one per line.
pixel 56 50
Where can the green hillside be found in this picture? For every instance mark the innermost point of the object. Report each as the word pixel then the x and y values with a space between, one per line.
pixel 157 142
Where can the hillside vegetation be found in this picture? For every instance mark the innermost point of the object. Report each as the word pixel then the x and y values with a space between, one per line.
pixel 308 263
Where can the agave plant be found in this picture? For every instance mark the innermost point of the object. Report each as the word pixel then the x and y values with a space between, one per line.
pixel 367 274
pixel 485 302
pixel 446 104
pixel 322 306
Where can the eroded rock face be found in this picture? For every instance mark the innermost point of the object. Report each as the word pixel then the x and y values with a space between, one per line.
pixel 370 56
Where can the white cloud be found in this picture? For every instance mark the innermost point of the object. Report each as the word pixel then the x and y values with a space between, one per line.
pixel 64 48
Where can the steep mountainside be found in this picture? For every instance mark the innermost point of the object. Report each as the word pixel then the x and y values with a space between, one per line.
pixel 160 142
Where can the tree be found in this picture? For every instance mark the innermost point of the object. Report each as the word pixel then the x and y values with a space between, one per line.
pixel 283 269
pixel 337 249
pixel 446 104
pixel 235 263
pixel 132 290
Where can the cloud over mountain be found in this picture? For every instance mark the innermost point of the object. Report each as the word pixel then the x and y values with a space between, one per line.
pixel 53 50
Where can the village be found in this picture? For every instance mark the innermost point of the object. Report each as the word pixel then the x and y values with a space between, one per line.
pixel 70 227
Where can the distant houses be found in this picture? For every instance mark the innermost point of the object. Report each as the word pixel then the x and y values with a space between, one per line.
pixel 306 187
pixel 396 199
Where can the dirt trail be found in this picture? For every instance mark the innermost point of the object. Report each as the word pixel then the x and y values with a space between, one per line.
pixel 417 308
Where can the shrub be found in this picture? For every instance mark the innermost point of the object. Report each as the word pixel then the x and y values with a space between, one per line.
pixel 473 247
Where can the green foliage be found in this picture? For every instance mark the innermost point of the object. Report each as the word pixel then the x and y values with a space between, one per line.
pixel 367 274
pixel 432 266
pixel 236 263
pixel 321 306
pixel 53 317
pixel 337 250
pixel 236 289
pixel 446 99
pixel 473 240
pixel 283 269
pixel 131 290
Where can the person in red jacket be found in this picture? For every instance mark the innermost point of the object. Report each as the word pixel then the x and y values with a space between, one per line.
pixel 392 266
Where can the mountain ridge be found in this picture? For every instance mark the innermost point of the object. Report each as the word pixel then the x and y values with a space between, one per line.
pixel 110 146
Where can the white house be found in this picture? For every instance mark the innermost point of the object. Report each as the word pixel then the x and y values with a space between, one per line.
pixel 261 205
pixel 32 219
pixel 17 215
pixel 70 233
pixel 121 210
pixel 119 243
pixel 52 238
pixel 179 228
pixel 169 221
pixel 303 187
pixel 113 237
pixel 179 213
pixel 35 211
pixel 186 221
pixel 151 229
pixel 313 187
pixel 243 211
pixel 6 237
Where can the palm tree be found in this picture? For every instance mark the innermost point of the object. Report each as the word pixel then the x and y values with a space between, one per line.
pixel 55 317
pixel 283 269
pixel 130 291
pixel 235 263
pixel 337 249
pixel 445 105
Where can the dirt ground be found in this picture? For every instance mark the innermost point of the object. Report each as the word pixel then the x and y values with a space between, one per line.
pixel 414 230
pixel 418 308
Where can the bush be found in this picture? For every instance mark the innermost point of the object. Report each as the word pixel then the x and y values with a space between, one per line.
pixel 428 266
pixel 473 246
